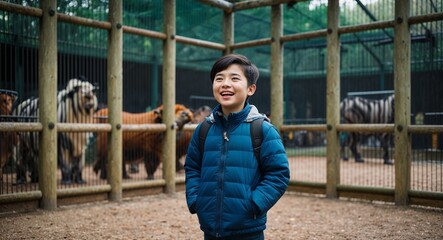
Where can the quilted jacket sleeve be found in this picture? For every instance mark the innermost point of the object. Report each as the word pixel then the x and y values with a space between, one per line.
pixel 275 170
pixel 193 171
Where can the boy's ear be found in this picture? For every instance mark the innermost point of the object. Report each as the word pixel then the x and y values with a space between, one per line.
pixel 251 89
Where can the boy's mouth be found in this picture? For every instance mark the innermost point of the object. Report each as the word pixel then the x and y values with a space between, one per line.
pixel 226 94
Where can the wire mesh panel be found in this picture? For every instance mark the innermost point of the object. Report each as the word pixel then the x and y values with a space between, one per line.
pixel 304 17
pixel 306 153
pixel 143 14
pixel 199 21
pixel 366 71
pixel 18 74
pixel 426 99
pixel 420 7
pixel 82 90
pixel 362 12
pixel 369 168
pixel 252 24
pixel 427 154
pixel 427 162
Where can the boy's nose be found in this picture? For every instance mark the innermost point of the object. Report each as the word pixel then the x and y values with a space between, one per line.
pixel 226 82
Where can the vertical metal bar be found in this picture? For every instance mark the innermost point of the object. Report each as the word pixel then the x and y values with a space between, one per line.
pixel 169 57
pixel 47 85
pixel 277 65
pixel 333 100
pixel 115 92
pixel 402 87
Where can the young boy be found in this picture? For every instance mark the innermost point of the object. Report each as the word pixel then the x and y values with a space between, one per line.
pixel 230 190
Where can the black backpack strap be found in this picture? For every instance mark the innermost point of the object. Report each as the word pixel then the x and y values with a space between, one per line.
pixel 257 136
pixel 204 128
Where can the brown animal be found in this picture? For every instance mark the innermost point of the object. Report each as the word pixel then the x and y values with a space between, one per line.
pixel 184 137
pixel 8 139
pixel 138 145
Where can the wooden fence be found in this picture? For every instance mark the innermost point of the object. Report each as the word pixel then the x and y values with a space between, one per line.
pixel 48 194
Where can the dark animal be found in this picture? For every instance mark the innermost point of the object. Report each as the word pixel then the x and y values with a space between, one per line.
pixel 138 145
pixel 361 110
pixel 75 104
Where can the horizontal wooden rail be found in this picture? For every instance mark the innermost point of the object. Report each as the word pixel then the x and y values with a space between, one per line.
pixel 428 195
pixel 74 192
pixel 144 184
pixel 91 127
pixel 260 3
pixel 189 127
pixel 366 128
pixel 303 127
pixel 230 7
pixel 431 17
pixel 366 27
pixel 156 127
pixel 20 197
pixel 425 129
pixel 200 43
pixel 254 43
pixel 15 8
pixel 303 36
pixel 221 4
pixel 144 32
pixel 364 189
pixel 20 127
pixel 84 21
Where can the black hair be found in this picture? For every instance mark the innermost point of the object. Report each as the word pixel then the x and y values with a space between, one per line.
pixel 249 69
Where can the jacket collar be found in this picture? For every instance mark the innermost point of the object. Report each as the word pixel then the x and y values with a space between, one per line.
pixel 249 113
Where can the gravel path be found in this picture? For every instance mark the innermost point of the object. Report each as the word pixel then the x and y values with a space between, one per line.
pixel 166 217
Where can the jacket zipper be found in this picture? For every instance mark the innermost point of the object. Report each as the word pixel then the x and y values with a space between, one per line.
pixel 221 182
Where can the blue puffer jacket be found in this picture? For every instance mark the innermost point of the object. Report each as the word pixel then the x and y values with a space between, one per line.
pixel 228 189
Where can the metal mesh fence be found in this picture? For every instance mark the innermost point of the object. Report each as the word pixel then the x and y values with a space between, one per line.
pixel 306 153
pixel 366 66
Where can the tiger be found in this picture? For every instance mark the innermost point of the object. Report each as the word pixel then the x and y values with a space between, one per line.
pixel 75 104
pixel 361 110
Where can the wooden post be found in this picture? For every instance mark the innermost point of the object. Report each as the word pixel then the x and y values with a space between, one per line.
pixel 276 66
pixel 402 102
pixel 115 92
pixel 228 31
pixel 332 100
pixel 47 90
pixel 169 55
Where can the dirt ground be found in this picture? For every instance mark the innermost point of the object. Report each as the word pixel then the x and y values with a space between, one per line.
pixel 162 216
pixel 295 216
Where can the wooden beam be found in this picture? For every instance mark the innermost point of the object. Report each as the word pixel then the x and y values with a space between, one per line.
pixel 15 8
pixel 261 3
pixel 224 5
pixel 168 97
pixel 115 99
pixel 200 43
pixel 333 100
pixel 47 85
pixel 402 88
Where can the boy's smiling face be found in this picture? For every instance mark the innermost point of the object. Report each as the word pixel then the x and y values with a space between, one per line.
pixel 230 89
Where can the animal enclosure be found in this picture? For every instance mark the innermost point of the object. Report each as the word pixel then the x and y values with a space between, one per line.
pixel 136 56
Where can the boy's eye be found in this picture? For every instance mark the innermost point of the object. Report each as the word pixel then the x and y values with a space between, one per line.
pixel 218 79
